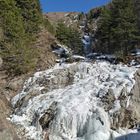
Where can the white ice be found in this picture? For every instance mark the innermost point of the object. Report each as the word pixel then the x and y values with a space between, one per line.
pixel 79 111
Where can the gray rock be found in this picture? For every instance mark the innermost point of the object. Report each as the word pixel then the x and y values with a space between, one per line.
pixel 48 116
pixel 135 101
pixel 129 117
pixel 15 83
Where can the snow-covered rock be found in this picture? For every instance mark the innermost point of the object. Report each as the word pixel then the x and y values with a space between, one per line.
pixel 74 101
pixel 135 52
pixel 60 49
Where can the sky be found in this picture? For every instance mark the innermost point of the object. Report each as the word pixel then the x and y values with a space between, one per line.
pixel 70 5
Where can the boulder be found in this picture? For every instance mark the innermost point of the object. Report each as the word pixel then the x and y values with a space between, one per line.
pixel 15 83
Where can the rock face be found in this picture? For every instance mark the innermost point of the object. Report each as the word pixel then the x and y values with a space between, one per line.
pixel 8 89
pixel 7 131
pixel 79 101
pixel 135 101
pixel 69 18
pixel 129 117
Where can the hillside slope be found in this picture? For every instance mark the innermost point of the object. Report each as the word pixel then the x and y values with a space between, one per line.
pixel 10 86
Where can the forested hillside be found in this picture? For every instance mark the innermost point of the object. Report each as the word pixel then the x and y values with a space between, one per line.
pixel 118 27
pixel 19 23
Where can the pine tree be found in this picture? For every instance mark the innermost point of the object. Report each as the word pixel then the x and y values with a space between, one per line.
pixel 104 30
pixel 125 30
pixel 75 42
pixel 62 33
pixel 14 44
pixel 31 13
pixel 118 28
pixel 137 10
pixel 70 37
pixel 93 14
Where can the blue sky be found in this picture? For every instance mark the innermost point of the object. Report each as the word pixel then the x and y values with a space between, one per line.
pixel 70 5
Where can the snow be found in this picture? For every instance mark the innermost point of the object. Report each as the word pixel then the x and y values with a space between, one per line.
pixel 76 16
pixel 116 107
pixel 61 48
pixel 86 40
pixel 80 114
pixel 135 52
pixel 87 37
pixel 31 84
pixel 78 57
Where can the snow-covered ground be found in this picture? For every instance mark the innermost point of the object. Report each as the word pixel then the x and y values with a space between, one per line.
pixel 78 109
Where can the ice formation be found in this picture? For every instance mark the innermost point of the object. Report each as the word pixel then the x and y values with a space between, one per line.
pixel 76 108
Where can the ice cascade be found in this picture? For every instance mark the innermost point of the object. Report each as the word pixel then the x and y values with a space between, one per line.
pixel 65 102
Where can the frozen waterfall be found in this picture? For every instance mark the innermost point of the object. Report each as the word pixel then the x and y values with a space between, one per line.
pixel 66 102
pixel 87 43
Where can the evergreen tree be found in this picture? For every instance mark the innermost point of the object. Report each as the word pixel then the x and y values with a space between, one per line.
pixel 104 30
pixel 70 37
pixel 137 10
pixel 14 44
pixel 118 28
pixel 31 13
pixel 75 42
pixel 81 16
pixel 93 14
pixel 62 33
pixel 125 30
